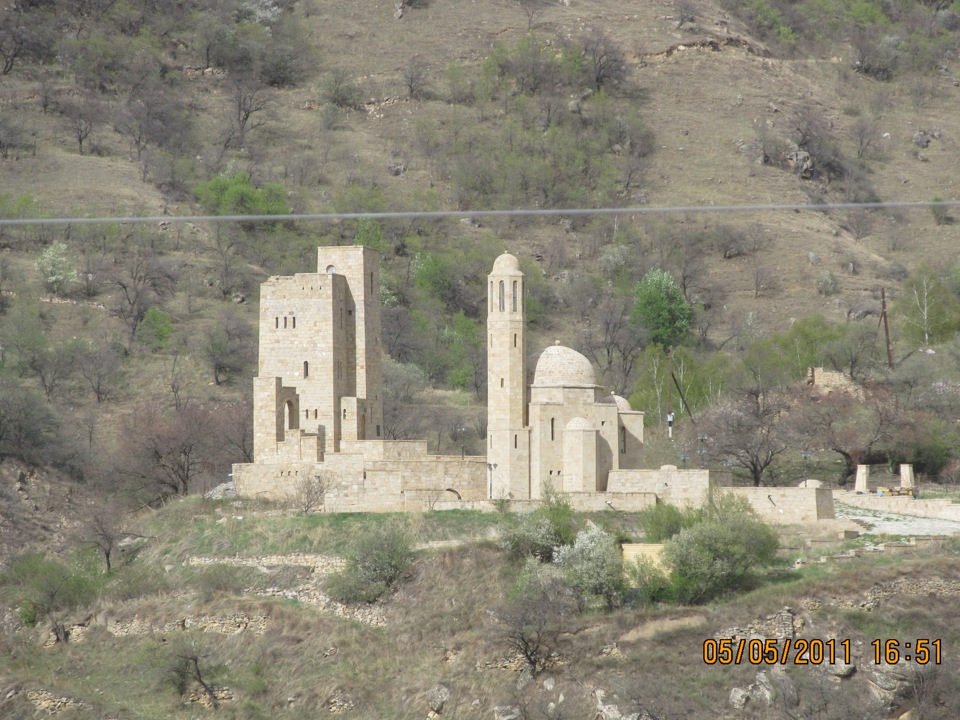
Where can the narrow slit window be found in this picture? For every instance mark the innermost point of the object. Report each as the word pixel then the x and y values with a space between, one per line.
pixel 276 322
pixel 306 369
pixel 552 434
pixel 503 305
pixel 501 382
pixel 514 442
pixel 514 339
pixel 284 323
pixel 294 319
pixel 514 296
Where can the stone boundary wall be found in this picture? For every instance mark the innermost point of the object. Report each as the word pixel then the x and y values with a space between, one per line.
pixel 683 488
pixel 788 505
pixel 940 509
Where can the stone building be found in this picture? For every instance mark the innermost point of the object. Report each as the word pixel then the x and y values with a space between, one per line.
pixel 318 411
pixel 547 419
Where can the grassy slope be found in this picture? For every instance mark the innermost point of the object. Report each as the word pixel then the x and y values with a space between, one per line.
pixel 440 627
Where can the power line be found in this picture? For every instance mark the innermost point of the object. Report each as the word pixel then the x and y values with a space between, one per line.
pixel 435 214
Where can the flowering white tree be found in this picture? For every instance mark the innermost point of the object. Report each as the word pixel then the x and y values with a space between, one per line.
pixel 593 565
pixel 56 267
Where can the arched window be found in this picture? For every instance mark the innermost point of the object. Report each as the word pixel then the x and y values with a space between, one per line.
pixel 514 299
pixel 306 369
pixel 503 304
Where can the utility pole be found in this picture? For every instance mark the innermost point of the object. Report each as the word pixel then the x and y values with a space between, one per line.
pixel 886 325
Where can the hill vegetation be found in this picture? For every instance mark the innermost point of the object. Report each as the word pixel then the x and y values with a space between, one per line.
pixel 126 350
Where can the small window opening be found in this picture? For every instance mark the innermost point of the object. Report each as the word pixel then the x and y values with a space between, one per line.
pixel 514 297
pixel 378 431
pixel 514 442
pixel 285 323
pixel 276 322
pixel 503 305
pixel 552 434
pixel 306 369
pixel 306 414
pixel 344 413
pixel 294 319
pixel 514 339
pixel 314 414
pixel 501 382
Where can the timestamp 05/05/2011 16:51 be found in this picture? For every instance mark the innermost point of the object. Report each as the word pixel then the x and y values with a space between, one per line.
pixel 814 651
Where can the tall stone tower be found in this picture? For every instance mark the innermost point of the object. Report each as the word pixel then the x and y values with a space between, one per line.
pixel 508 434
pixel 319 375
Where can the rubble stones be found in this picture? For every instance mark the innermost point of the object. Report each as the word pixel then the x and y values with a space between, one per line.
pixel 437 697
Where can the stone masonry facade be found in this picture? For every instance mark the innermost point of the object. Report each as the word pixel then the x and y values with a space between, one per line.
pixel 318 412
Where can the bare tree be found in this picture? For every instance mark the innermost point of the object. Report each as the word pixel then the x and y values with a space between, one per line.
pixel 142 279
pixel 416 79
pixel 865 134
pixel 604 58
pixel 309 492
pixel 748 431
pixel 80 117
pixel 250 106
pixel 686 12
pixel 533 619
pixel 100 367
pixel 228 345
pixel 613 341
pixel 532 9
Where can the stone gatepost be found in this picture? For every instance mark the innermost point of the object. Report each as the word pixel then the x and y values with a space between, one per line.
pixel 906 476
pixel 863 475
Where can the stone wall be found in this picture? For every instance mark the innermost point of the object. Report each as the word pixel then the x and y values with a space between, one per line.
pixel 362 484
pixel 789 505
pixel 941 509
pixel 683 488
pixel 649 551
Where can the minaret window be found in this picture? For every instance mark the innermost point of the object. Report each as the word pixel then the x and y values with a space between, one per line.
pixel 503 305
pixel 514 297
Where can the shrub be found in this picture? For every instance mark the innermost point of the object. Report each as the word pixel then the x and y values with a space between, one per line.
pixel 539 532
pixel 648 582
pixel 827 283
pixel 715 556
pixel 939 212
pixel 663 520
pixel 375 563
pixel 593 565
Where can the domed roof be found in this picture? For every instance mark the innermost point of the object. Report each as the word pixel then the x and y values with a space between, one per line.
pixel 506 264
pixel 560 366
pixel 579 423
pixel 623 405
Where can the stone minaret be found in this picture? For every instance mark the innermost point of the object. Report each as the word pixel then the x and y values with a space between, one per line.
pixel 508 437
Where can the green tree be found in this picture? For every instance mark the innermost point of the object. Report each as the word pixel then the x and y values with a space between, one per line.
pixel 927 307
pixel 235 194
pixel 718 554
pixel 661 308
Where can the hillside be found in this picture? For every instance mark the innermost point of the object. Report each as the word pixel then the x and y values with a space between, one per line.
pixel 239 587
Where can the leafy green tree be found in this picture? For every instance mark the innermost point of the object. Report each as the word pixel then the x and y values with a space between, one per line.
pixel 661 308
pixel 156 328
pixel 927 307
pixel 235 194
pixel 718 554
